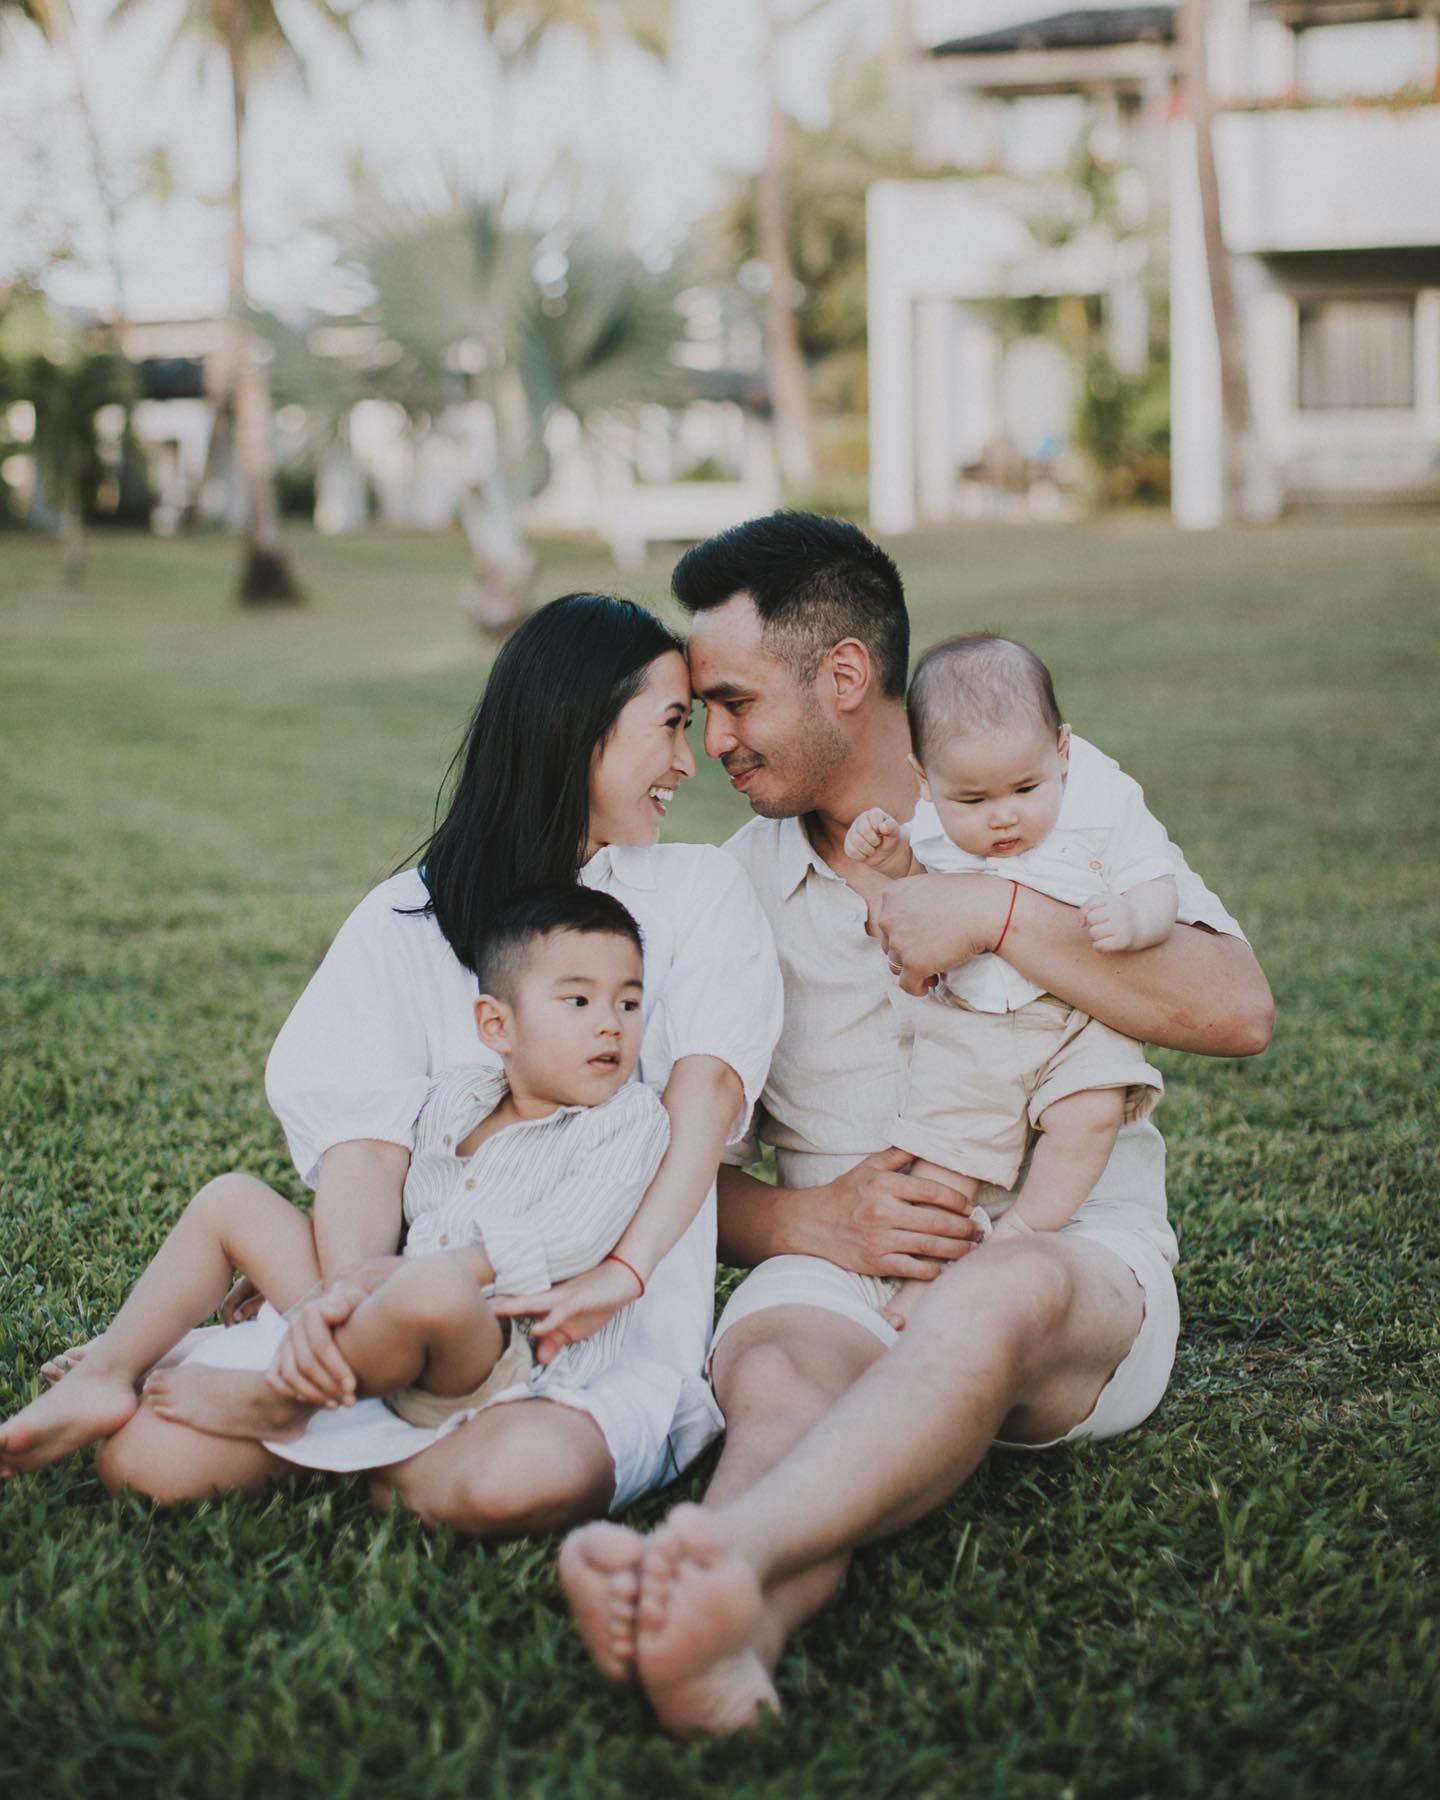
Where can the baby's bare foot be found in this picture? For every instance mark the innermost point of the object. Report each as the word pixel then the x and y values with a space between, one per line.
pixel 89 1404
pixel 599 1570
pixel 236 1403
pixel 701 1611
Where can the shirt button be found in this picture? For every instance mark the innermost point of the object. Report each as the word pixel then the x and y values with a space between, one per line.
pixel 1097 865
pixel 446 1142
pixel 471 1182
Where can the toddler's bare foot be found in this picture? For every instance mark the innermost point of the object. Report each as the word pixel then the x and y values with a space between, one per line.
pixel 700 1614
pixel 91 1404
pixel 236 1403
pixel 599 1569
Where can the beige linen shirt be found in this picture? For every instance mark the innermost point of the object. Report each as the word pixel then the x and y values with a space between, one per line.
pixel 835 1079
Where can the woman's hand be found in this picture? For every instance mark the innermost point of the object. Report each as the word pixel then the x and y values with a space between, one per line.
pixel 571 1310
pixel 932 922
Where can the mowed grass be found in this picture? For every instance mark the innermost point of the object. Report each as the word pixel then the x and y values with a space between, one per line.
pixel 1239 1598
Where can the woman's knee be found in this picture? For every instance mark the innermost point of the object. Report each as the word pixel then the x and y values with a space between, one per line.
pixel 505 1484
pixel 171 1464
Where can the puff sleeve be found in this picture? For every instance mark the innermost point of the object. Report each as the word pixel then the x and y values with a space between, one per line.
pixel 723 995
pixel 353 1060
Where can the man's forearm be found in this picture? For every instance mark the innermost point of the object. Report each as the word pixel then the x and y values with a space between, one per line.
pixel 1197 991
pixel 757 1220
pixel 357 1204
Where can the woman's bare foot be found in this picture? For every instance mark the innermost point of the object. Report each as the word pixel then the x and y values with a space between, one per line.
pixel 91 1404
pixel 236 1403
pixel 599 1569
pixel 76 1354
pixel 700 1612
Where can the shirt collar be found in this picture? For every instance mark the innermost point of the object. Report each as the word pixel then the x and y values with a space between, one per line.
pixel 632 865
pixel 798 856
pixel 1083 803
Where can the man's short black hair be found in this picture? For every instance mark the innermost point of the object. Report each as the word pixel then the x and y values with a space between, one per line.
pixel 504 947
pixel 813 581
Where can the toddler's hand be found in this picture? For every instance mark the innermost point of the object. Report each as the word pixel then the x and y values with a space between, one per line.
pixel 874 837
pixel 571 1310
pixel 1110 920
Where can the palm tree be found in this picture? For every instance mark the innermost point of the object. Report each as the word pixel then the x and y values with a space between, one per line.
pixel 470 305
pixel 518 29
pixel 251 37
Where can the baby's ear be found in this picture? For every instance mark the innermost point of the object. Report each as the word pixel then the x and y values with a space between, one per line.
pixel 919 773
pixel 1064 746
pixel 492 1023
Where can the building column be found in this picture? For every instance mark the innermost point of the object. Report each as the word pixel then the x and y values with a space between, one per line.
pixel 892 364
pixel 935 410
pixel 1197 441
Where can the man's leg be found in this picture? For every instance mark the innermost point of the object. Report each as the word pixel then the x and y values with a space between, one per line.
pixel 1017 1341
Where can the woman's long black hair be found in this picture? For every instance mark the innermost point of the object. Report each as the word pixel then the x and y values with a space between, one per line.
pixel 519 816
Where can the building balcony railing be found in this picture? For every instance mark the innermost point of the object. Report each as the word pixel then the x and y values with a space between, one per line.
pixel 1329 178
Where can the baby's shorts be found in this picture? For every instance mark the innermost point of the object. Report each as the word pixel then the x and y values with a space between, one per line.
pixel 976 1082
pixel 418 1407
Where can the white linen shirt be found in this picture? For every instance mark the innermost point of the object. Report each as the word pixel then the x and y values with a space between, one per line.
pixel 391 1007
pixel 1105 840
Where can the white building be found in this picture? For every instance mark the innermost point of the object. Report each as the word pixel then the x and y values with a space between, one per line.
pixel 1328 145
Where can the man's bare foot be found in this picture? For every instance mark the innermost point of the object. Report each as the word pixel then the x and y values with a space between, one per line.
pixel 236 1403
pixel 89 1405
pixel 700 1611
pixel 599 1569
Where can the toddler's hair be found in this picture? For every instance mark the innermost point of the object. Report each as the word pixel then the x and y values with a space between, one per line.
pixel 977 682
pixel 504 947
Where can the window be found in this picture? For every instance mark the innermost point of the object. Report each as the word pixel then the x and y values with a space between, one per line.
pixel 1374 56
pixel 1357 354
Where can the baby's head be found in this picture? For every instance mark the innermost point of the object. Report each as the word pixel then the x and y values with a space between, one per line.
pixel 560 995
pixel 988 743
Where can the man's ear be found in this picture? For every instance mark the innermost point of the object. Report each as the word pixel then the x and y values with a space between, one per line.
pixel 847 667
pixel 910 757
pixel 492 1024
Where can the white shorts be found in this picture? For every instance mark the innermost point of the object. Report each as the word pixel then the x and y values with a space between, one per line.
pixel 1132 1392
pixel 654 1420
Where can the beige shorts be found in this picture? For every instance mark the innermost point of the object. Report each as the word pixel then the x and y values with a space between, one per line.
pixel 417 1406
pixel 1132 1392
pixel 976 1082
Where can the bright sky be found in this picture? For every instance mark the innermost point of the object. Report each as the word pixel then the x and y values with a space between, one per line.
pixel 424 96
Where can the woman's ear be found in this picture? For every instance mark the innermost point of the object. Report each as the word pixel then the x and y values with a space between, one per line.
pixel 919 774
pixel 492 1024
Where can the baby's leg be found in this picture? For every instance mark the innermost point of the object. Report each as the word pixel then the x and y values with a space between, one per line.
pixel 1076 1137
pixel 233 1222
pixel 900 1308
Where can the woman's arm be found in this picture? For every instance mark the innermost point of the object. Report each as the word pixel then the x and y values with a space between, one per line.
pixel 702 1098
pixel 357 1217
pixel 1197 991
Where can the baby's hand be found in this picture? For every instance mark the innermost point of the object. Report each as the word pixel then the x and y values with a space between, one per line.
pixel 875 838
pixel 1111 921
pixel 571 1310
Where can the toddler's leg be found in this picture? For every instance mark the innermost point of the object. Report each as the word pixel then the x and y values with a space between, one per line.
pixel 1077 1135
pixel 233 1222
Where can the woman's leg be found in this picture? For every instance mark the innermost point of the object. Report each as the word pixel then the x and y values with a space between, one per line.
pixel 233 1222
pixel 170 1463
pixel 520 1467
pixel 427 1326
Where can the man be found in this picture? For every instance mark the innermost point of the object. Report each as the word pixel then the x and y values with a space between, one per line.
pixel 838 1433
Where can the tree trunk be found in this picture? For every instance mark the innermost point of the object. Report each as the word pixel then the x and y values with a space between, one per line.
pixel 785 371
pixel 500 595
pixel 72 533
pixel 1239 446
pixel 265 576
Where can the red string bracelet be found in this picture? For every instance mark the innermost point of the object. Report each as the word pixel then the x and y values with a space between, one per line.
pixel 1014 895
pixel 612 1257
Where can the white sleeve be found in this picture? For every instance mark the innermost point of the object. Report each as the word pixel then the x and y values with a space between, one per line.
pixel 723 995
pixel 352 1060
pixel 589 1203
pixel 1141 850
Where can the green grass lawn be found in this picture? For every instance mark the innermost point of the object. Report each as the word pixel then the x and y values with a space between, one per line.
pixel 1239 1598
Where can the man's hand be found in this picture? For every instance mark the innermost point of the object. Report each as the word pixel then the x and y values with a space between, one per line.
pixel 571 1310
pixel 308 1366
pixel 929 923
pixel 875 1220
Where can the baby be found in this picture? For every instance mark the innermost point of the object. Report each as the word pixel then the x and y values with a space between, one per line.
pixel 1008 790
pixel 518 1179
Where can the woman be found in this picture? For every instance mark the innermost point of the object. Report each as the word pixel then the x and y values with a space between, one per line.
pixel 571 760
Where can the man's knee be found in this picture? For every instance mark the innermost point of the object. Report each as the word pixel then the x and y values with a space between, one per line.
pixel 1016 1298
pixel 762 1367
